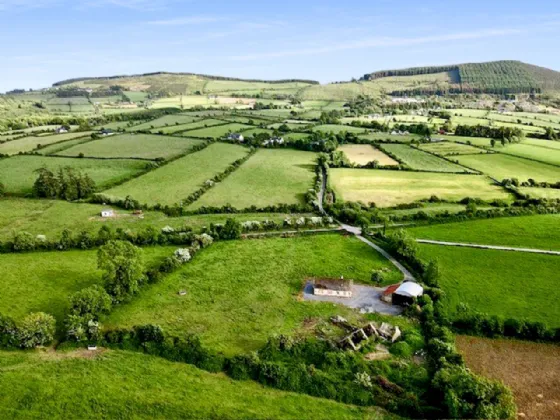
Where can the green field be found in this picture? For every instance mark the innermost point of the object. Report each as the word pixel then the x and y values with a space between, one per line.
pixel 218 131
pixel 239 293
pixel 449 148
pixel 548 144
pixel 417 159
pixel 43 281
pixel 390 137
pixel 255 131
pixel 540 232
pixel 27 144
pixel 43 217
pixel 54 149
pixel 542 154
pixel 550 193
pixel 145 146
pixel 362 154
pixel 18 172
pixel 268 177
pixel 190 126
pixel 127 385
pixel 174 182
pixel 431 208
pixel 510 284
pixel 165 121
pixel 334 128
pixel 389 188
pixel 500 166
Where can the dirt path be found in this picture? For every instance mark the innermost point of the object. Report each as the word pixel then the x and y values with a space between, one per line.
pixel 358 232
pixel 497 247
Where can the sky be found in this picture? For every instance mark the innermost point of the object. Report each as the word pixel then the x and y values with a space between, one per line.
pixel 44 41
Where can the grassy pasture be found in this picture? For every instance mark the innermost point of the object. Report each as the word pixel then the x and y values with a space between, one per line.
pixel 218 131
pixel 268 177
pixel 500 166
pixel 43 281
pixel 531 370
pixel 339 128
pixel 540 232
pixel 548 144
pixel 505 283
pixel 362 154
pixel 390 137
pixel 295 136
pixel 524 120
pixel 18 172
pixel 417 159
pixel 145 146
pixel 542 154
pixel 389 188
pixel 27 144
pixel 54 385
pixel 54 149
pixel 450 148
pixel 43 217
pixel 241 292
pixel 550 193
pixel 476 141
pixel 430 208
pixel 255 131
pixel 174 182
pixel 165 121
pixel 190 126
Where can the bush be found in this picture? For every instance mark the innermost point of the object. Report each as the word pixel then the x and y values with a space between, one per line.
pixel 36 329
pixel 90 302
pixel 401 349
pixel 23 241
pixel 123 268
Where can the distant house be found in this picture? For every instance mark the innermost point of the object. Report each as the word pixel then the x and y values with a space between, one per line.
pixel 273 140
pixel 61 130
pixel 387 295
pixel 333 287
pixel 107 213
pixel 106 132
pixel 406 293
pixel 236 137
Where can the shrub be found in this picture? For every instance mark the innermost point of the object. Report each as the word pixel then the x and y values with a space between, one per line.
pixel 23 241
pixel 91 302
pixel 401 349
pixel 231 230
pixel 36 329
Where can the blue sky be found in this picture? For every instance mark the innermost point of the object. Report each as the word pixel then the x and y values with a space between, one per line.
pixel 43 41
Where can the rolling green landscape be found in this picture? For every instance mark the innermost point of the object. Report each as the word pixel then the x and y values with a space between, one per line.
pixel 186 245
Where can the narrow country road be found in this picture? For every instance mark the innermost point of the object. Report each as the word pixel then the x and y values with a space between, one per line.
pixel 358 232
pixel 496 247
pixel 323 191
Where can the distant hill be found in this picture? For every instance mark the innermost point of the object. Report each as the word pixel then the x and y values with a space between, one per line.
pixel 500 77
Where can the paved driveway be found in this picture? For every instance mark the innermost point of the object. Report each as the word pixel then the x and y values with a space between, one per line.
pixel 363 297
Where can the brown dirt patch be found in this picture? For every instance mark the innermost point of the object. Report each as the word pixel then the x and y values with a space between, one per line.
pixel 531 370
pixel 51 354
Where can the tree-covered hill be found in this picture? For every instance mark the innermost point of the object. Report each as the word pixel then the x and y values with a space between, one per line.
pixel 492 77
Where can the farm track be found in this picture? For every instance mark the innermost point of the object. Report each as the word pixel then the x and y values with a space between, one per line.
pixel 358 232
pixel 496 247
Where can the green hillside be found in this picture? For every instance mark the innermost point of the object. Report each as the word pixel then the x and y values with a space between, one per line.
pixel 493 77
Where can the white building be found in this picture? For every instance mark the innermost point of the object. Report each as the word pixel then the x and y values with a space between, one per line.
pixel 107 213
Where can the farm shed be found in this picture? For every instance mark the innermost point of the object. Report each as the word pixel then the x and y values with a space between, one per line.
pixel 406 293
pixel 236 137
pixel 107 213
pixel 387 295
pixel 106 132
pixel 333 287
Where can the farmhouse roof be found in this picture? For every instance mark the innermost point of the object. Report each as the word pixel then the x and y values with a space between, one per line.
pixel 333 284
pixel 410 289
pixel 391 289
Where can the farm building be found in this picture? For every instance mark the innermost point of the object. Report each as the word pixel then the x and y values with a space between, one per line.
pixel 106 132
pixel 333 287
pixel 61 130
pixel 402 294
pixel 107 213
pixel 236 137
pixel 273 140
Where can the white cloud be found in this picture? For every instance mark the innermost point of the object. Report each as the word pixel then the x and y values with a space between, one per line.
pixel 381 42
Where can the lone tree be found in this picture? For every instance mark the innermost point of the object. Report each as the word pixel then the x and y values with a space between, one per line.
pixel 123 268
pixel 36 329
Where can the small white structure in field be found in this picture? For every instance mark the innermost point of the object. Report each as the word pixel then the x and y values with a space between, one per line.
pixel 107 213
pixel 333 287
pixel 236 137
pixel 61 130
pixel 92 348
